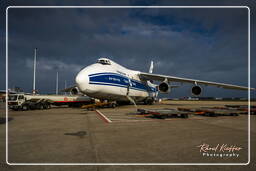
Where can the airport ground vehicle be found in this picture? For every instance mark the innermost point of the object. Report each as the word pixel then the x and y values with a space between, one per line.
pixel 164 113
pixel 99 105
pixel 24 101
pixel 27 102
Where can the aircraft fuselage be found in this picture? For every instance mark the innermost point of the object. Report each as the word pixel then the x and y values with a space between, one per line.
pixel 111 81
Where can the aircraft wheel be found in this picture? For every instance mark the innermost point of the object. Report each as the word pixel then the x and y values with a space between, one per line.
pixel 148 101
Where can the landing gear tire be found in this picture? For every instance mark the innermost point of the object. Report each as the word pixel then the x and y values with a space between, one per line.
pixel 148 101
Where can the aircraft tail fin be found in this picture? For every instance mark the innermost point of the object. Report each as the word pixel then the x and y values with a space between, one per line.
pixel 151 67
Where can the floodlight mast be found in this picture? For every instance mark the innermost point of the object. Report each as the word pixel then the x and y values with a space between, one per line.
pixel 65 85
pixel 57 82
pixel 34 78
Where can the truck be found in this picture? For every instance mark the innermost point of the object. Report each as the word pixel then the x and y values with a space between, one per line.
pixel 23 101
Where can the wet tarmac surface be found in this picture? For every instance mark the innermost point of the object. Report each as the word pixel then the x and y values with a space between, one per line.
pixel 70 135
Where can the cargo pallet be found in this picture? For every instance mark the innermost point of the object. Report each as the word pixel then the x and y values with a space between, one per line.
pixel 164 113
pixel 212 111
pixel 243 108
pixel 99 105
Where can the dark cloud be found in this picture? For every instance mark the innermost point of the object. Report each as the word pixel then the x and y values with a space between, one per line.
pixel 208 44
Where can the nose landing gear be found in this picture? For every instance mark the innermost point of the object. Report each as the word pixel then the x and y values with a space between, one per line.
pixel 149 101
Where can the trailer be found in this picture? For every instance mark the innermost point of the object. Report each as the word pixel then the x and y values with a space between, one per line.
pixel 164 113
pixel 212 111
pixel 22 101
pixel 244 108
pixel 99 105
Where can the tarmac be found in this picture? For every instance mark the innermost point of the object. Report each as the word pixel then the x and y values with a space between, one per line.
pixel 64 135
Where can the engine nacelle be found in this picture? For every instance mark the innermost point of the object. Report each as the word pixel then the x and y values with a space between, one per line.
pixel 164 87
pixel 74 91
pixel 196 90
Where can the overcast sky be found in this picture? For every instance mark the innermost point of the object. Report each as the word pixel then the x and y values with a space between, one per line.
pixel 207 44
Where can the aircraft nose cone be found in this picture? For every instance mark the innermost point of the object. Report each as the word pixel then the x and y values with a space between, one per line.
pixel 82 80
pixel 79 78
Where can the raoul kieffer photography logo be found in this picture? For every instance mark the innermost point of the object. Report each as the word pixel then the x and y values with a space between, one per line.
pixel 219 150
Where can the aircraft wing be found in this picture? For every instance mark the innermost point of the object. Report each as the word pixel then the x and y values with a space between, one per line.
pixel 158 77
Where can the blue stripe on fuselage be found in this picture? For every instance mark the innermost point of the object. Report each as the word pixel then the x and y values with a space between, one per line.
pixel 118 80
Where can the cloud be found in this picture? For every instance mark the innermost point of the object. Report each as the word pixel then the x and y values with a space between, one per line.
pixel 53 65
pixel 200 43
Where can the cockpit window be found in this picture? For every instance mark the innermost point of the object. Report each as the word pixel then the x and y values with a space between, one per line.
pixel 104 61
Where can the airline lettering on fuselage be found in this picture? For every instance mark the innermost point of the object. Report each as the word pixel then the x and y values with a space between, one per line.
pixel 114 79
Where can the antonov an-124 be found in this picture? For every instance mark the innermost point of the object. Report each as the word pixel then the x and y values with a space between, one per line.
pixel 107 80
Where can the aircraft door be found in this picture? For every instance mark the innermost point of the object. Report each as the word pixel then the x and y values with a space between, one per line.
pixel 126 90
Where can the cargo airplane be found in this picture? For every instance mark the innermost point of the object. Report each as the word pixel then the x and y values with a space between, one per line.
pixel 108 80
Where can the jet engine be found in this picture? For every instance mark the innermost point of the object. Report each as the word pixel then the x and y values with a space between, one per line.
pixel 164 87
pixel 196 90
pixel 74 91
